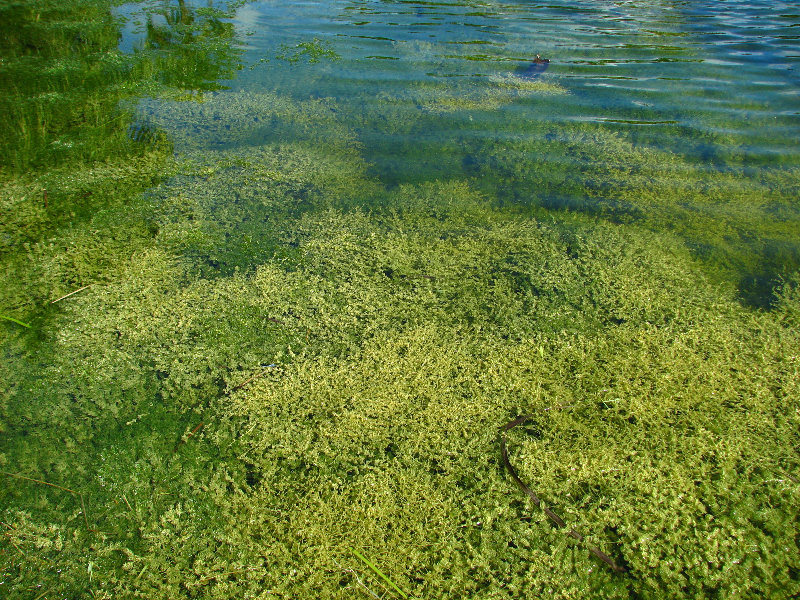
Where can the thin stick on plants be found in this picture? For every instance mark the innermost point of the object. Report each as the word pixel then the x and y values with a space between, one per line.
pixel 70 294
pixel 58 487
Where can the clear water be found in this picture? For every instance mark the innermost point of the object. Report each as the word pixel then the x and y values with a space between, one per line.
pixel 242 383
pixel 676 69
pixel 668 94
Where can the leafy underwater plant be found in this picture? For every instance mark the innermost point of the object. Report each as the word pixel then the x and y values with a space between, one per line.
pixel 313 51
pixel 405 324
pixel 378 572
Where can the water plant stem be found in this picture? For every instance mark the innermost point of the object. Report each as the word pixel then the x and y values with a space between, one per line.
pixel 558 521
pixel 70 294
pixel 378 572
pixel 13 320
pixel 59 487
pixel 254 377
pixel 187 436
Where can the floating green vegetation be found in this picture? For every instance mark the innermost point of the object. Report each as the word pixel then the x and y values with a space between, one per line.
pixel 402 340
pixel 734 206
pixel 312 51
pixel 270 359
pixel 73 154
pixel 743 225
pixel 378 572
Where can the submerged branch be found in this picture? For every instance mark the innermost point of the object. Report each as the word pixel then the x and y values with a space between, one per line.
pixel 558 521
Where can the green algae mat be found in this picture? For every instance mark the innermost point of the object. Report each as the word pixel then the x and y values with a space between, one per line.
pixel 333 300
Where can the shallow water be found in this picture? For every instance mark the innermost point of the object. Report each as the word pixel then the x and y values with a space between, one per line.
pixel 283 313
pixel 682 96
pixel 665 72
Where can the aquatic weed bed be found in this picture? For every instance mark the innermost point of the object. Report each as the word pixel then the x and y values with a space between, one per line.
pixel 286 378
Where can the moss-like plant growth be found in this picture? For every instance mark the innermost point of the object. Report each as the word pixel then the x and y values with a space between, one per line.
pixel 402 340
pixel 270 375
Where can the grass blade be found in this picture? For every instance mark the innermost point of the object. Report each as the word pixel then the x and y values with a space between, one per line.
pixel 17 321
pixel 379 572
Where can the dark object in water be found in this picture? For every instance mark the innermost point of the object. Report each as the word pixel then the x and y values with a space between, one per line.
pixel 557 521
pixel 536 68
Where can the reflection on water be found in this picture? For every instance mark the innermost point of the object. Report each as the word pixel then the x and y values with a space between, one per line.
pixel 189 44
pixel 706 68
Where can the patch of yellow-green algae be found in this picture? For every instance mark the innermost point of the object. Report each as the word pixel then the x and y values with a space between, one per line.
pixel 740 221
pixel 497 91
pixel 486 91
pixel 401 340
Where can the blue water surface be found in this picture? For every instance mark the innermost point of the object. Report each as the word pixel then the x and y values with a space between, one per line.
pixel 671 94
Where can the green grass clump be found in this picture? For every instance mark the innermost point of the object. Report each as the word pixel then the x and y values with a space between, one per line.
pixel 60 79
pixel 64 83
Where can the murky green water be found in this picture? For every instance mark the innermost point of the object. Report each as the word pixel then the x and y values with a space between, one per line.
pixel 273 274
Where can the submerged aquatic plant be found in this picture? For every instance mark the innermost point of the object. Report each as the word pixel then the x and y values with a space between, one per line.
pixel 281 357
pixel 378 572
pixel 313 51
